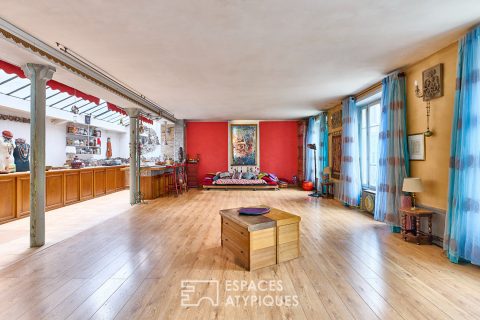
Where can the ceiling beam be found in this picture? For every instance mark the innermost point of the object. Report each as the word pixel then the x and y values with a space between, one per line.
pixel 16 35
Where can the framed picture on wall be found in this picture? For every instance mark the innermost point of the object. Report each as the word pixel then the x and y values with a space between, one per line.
pixel 336 154
pixel 336 120
pixel 244 144
pixel 416 146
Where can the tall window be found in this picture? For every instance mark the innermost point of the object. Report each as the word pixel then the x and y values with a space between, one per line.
pixel 369 128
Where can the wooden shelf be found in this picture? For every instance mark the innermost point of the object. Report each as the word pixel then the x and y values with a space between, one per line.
pixel 192 175
pixel 83 146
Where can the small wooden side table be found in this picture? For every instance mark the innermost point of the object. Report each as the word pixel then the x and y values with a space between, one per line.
pixel 417 214
pixel 327 189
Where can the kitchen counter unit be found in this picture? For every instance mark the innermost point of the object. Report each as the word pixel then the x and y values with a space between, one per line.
pixel 153 181
pixel 63 187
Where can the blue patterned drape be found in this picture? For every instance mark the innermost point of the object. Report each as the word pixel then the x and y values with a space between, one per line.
pixel 323 149
pixel 462 225
pixel 393 164
pixel 317 133
pixel 313 131
pixel 350 180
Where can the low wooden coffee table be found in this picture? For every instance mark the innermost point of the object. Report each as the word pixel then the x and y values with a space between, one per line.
pixel 261 241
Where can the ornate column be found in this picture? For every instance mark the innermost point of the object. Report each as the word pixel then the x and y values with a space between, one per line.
pixel 39 75
pixel 134 157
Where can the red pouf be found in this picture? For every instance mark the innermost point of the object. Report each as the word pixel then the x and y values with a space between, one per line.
pixel 307 185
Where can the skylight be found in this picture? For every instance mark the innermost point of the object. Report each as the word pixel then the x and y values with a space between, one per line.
pixel 16 87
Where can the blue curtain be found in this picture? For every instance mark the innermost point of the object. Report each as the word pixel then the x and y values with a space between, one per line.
pixel 313 131
pixel 323 149
pixel 462 226
pixel 393 164
pixel 350 180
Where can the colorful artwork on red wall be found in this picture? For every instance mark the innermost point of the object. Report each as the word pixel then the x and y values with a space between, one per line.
pixel 336 154
pixel 244 144
pixel 277 145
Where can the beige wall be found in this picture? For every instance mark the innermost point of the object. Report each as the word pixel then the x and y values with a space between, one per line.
pixel 434 170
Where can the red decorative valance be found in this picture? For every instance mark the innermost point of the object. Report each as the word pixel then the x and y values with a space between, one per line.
pixel 115 108
pixel 12 69
pixel 145 120
pixel 55 85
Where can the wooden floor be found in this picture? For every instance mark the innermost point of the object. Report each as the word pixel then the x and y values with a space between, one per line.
pixel 131 266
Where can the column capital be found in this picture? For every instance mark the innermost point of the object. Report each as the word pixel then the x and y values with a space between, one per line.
pixel 38 71
pixel 133 112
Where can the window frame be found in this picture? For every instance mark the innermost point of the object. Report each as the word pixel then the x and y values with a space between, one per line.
pixel 367 106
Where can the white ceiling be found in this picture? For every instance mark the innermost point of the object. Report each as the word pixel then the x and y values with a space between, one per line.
pixel 247 59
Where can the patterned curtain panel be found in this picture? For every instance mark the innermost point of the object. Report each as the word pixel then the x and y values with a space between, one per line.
pixel 350 180
pixel 313 132
pixel 323 150
pixel 393 163
pixel 462 226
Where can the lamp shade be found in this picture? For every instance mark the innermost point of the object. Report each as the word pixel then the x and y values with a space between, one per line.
pixel 327 170
pixel 412 185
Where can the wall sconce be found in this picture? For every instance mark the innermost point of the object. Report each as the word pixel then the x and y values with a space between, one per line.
pixel 420 94
pixel 432 80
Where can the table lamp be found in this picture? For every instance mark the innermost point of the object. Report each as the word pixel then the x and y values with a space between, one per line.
pixel 412 185
pixel 327 171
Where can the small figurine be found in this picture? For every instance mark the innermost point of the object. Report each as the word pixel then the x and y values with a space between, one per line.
pixel 181 155
pixel 7 164
pixel 21 153
pixel 109 148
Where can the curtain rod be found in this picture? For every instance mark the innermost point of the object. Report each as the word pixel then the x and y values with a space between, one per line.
pixel 373 87
pixel 376 86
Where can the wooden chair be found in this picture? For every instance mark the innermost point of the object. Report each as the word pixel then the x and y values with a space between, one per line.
pixel 172 184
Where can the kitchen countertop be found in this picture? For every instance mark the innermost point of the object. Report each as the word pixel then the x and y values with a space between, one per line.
pixel 60 170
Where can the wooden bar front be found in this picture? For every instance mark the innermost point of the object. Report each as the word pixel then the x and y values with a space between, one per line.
pixel 153 182
pixel 63 187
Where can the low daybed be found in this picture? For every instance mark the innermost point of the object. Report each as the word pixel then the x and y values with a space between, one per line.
pixel 228 183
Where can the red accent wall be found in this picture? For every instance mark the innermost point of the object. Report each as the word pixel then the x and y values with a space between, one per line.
pixel 278 148
pixel 210 141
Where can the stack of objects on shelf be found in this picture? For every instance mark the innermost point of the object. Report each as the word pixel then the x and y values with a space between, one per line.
pixel 83 139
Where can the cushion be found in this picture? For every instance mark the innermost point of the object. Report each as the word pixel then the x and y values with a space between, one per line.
pixel 274 177
pixel 267 179
pixel 237 175
pixel 216 177
pixel 224 175
pixel 262 174
pixel 248 175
